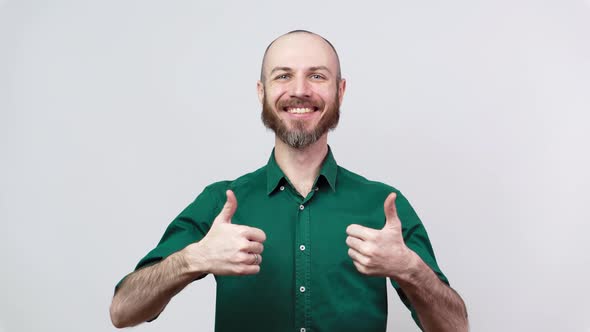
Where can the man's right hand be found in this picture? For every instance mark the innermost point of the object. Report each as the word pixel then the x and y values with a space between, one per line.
pixel 227 249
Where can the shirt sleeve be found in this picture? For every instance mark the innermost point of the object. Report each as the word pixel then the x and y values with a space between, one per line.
pixel 416 238
pixel 190 226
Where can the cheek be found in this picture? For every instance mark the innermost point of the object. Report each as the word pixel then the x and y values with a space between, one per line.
pixel 328 97
pixel 327 92
pixel 273 96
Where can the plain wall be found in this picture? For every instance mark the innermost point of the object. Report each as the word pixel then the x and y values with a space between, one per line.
pixel 114 115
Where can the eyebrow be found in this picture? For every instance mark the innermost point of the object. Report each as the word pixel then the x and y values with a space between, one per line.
pixel 280 69
pixel 318 68
pixel 288 69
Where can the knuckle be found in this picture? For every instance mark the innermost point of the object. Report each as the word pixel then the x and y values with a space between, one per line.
pixel 247 258
pixel 257 248
pixel 243 244
pixel 240 269
pixel 360 268
pixel 369 250
pixel 240 258
pixel 234 259
pixel 365 261
pixel 243 231
pixel 246 269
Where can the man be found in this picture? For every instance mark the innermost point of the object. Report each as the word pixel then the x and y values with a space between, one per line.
pixel 301 244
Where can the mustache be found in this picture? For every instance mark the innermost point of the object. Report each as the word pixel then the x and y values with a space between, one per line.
pixel 300 102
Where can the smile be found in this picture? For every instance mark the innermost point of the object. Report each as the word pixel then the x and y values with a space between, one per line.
pixel 300 110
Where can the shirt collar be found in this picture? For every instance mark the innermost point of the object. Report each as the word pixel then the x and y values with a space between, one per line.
pixel 275 175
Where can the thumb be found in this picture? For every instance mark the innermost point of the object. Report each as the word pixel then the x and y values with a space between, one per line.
pixel 231 204
pixel 391 217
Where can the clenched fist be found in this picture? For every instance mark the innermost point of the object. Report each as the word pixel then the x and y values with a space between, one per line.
pixel 228 249
pixel 380 252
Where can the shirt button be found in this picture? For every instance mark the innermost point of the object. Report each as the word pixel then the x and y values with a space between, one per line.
pixel 301 207
pixel 302 329
pixel 316 188
pixel 302 289
pixel 282 188
pixel 302 247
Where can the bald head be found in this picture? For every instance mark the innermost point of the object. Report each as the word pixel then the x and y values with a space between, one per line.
pixel 299 44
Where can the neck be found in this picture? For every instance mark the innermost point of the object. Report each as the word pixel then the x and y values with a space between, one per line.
pixel 301 166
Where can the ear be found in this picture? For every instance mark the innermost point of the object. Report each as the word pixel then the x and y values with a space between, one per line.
pixel 260 90
pixel 341 89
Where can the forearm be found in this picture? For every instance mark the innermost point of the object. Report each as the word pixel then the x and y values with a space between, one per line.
pixel 438 306
pixel 145 293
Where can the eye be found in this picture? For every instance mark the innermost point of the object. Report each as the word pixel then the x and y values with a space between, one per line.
pixel 282 77
pixel 317 77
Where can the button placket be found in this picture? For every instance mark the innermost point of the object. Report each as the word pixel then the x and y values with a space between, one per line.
pixel 302 267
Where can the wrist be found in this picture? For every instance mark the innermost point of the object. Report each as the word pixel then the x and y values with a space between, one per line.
pixel 411 270
pixel 194 261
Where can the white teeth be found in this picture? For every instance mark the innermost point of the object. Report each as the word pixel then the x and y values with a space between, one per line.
pixel 300 110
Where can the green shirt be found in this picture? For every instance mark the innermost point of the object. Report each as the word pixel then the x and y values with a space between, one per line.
pixel 307 280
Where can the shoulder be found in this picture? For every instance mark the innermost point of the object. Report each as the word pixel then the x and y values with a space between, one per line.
pixel 245 182
pixel 364 188
pixel 356 181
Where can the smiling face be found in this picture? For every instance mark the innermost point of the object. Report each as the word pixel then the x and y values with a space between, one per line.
pixel 300 89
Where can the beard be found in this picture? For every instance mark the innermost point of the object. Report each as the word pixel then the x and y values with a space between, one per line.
pixel 299 137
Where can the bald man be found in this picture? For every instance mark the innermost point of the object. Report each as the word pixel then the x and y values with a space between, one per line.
pixel 301 244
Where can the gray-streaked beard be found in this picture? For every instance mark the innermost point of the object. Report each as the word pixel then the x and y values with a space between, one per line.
pixel 299 138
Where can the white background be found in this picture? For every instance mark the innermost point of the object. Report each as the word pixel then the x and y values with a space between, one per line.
pixel 115 114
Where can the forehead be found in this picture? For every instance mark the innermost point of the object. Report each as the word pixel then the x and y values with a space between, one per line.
pixel 300 51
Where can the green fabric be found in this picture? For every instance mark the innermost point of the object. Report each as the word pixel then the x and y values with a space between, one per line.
pixel 336 297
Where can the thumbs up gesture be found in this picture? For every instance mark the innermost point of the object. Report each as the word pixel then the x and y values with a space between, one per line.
pixel 380 252
pixel 229 249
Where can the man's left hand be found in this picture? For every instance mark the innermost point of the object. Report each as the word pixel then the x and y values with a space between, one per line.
pixel 380 252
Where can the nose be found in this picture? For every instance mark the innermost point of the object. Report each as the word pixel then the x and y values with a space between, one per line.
pixel 301 88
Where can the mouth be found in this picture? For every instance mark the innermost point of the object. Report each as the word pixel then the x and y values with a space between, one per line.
pixel 300 110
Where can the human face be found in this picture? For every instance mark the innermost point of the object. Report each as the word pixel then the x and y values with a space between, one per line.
pixel 301 93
